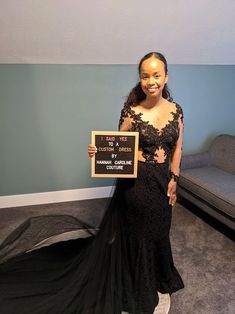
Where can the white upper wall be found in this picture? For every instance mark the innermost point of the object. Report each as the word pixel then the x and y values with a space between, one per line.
pixel 117 31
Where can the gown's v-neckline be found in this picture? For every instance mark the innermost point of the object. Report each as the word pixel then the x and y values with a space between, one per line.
pixel 158 130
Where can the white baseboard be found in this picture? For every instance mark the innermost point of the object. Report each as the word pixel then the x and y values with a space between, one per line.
pixel 54 197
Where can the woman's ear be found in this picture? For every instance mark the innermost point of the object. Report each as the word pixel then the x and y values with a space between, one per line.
pixel 166 78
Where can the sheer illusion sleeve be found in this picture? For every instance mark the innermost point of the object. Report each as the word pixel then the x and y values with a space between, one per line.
pixel 177 151
pixel 125 119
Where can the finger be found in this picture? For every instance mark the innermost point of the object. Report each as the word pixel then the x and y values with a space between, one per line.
pixel 169 193
pixel 91 153
pixel 92 149
pixel 170 198
pixel 174 198
pixel 90 146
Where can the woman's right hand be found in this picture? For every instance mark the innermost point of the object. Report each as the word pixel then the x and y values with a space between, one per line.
pixel 92 150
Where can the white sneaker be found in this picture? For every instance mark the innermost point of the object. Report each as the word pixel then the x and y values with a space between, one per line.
pixel 164 303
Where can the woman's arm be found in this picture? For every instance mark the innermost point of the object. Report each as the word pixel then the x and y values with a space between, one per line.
pixel 125 120
pixel 177 152
pixel 175 162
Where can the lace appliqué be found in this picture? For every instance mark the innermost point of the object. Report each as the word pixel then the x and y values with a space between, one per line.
pixel 154 141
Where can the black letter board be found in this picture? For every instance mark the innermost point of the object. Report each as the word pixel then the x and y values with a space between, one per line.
pixel 117 154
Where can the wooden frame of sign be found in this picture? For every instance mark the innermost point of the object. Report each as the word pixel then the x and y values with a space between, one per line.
pixel 117 154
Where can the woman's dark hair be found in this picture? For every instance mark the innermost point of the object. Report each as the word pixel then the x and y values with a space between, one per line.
pixel 137 95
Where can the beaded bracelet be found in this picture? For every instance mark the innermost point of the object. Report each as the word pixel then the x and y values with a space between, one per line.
pixel 174 176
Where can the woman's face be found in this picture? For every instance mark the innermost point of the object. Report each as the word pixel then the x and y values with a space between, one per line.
pixel 153 77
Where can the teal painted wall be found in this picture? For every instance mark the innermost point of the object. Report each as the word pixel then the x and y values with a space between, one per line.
pixel 48 111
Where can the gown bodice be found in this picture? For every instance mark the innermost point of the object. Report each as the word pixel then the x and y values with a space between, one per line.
pixel 155 143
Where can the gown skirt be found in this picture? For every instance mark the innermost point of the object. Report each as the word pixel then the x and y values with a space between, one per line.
pixel 116 267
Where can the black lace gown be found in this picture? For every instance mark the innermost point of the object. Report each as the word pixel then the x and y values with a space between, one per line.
pixel 120 266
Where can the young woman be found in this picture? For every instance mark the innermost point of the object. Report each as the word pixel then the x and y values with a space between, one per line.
pixel 150 110
pixel 127 265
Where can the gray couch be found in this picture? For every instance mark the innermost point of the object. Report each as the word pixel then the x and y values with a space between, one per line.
pixel 207 179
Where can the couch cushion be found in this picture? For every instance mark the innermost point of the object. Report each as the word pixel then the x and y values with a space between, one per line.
pixel 222 152
pixel 213 185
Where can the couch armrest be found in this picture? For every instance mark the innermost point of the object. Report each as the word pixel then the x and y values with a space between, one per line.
pixel 195 160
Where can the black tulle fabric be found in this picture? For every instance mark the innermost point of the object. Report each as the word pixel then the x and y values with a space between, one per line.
pixel 117 267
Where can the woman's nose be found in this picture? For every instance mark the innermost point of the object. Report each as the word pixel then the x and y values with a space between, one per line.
pixel 151 80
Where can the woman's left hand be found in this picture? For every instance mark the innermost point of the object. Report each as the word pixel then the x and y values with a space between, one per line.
pixel 171 192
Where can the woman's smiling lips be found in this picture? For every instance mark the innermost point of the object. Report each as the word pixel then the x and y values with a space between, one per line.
pixel 152 89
